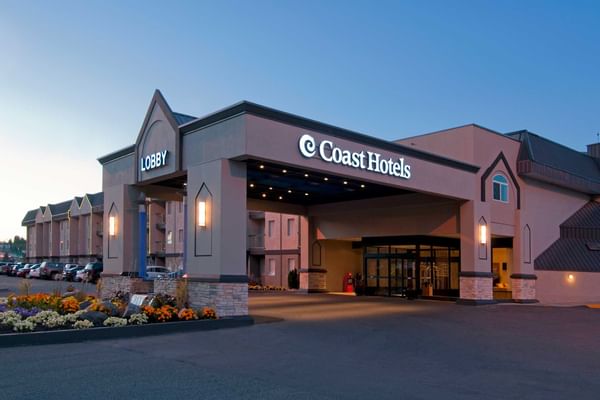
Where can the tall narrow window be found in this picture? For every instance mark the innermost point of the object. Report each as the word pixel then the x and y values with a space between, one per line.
pixel 500 188
pixel 290 226
pixel 527 244
pixel 180 235
pixel 170 237
pixel 169 207
pixel 271 228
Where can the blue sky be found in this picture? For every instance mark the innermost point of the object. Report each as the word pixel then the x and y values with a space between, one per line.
pixel 76 77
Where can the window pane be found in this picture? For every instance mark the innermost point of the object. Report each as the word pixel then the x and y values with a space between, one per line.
pixel 504 193
pixel 496 191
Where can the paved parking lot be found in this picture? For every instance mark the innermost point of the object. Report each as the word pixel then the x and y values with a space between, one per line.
pixel 11 284
pixel 332 347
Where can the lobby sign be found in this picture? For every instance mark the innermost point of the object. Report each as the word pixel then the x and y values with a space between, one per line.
pixel 153 161
pixel 367 160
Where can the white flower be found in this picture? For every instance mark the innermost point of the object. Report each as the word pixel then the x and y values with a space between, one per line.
pixel 71 318
pixel 138 319
pixel 115 321
pixel 9 318
pixel 85 324
pixel 49 319
pixel 22 326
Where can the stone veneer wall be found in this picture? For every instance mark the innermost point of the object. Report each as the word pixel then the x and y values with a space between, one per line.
pixel 476 288
pixel 313 280
pixel 111 285
pixel 523 288
pixel 227 299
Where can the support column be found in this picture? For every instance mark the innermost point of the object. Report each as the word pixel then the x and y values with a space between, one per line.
pixel 142 247
pixel 476 280
pixel 216 237
pixel 523 278
pixel 312 274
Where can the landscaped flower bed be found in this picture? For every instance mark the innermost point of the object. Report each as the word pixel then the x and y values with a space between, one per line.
pixel 46 312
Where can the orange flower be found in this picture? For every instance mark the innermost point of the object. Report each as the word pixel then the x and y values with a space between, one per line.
pixel 69 304
pixel 187 314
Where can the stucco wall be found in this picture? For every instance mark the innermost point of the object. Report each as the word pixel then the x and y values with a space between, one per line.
pixel 555 288
pixel 338 257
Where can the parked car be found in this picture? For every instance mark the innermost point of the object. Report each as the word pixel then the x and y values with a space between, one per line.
pixel 70 271
pixel 4 267
pixel 81 275
pixel 34 272
pixel 157 272
pixel 23 272
pixel 93 271
pixel 15 269
pixel 51 270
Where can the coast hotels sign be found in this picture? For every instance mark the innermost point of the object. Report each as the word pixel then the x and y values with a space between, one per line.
pixel 155 160
pixel 366 160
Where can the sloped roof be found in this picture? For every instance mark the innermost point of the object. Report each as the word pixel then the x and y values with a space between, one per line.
pixel 60 208
pixel 183 119
pixel 587 217
pixel 578 248
pixel 96 199
pixel 29 217
pixel 554 155
pixel 78 200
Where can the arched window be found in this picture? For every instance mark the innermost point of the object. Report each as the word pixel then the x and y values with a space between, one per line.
pixel 500 188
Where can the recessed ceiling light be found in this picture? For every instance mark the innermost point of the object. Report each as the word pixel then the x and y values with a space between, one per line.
pixel 345 182
pixel 252 185
pixel 306 194
pixel 306 175
pixel 362 186
pixel 264 195
pixel 289 190
pixel 280 197
pixel 326 178
pixel 270 187
pixel 262 166
pixel 284 171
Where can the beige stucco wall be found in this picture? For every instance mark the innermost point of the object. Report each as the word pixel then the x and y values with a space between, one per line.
pixel 555 288
pixel 338 257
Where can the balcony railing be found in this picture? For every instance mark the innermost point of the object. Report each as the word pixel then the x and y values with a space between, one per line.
pixel 256 241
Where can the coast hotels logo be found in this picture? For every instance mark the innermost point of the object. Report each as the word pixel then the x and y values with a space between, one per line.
pixel 366 160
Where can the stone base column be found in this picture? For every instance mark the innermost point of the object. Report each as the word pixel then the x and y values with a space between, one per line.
pixel 112 284
pixel 476 288
pixel 523 288
pixel 313 280
pixel 226 298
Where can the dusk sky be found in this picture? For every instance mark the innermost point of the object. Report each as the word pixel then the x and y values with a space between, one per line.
pixel 76 77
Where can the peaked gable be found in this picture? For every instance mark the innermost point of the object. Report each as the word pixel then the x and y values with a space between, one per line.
pixel 157 148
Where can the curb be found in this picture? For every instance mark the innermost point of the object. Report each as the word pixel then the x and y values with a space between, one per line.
pixel 125 332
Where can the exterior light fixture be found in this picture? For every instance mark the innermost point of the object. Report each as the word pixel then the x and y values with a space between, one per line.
pixel 482 233
pixel 280 197
pixel 345 182
pixel 270 187
pixel 289 190
pixel 202 214
pixel 362 186
pixel 570 278
pixel 306 194
pixel 112 226
pixel 264 195
pixel 326 178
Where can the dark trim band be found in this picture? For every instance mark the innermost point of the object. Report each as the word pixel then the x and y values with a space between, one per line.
pixel 488 171
pixel 524 276
pixel 475 274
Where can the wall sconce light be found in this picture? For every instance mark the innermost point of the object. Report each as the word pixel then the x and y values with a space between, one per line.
pixel 112 226
pixel 202 214
pixel 482 233
pixel 570 278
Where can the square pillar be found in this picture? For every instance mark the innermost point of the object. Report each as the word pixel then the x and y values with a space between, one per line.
pixel 313 277
pixel 476 280
pixel 215 248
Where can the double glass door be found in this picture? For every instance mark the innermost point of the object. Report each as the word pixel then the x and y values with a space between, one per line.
pixel 391 275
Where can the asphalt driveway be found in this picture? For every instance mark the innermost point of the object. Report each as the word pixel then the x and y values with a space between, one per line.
pixel 332 347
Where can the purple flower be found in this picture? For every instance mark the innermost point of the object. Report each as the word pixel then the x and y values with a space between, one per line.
pixel 24 312
pixel 3 307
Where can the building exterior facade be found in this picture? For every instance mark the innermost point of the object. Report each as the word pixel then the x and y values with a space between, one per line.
pixel 465 213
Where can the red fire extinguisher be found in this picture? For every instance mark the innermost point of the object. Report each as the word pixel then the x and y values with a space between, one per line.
pixel 348 283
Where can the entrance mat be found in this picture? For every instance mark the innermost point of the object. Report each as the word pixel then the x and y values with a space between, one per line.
pixel 125 332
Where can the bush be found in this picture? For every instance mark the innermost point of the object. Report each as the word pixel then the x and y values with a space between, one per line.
pixel 69 305
pixel 85 324
pixel 115 321
pixel 187 314
pixel 293 279
pixel 208 313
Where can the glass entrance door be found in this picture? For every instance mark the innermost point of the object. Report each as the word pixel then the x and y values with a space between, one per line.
pixel 390 275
